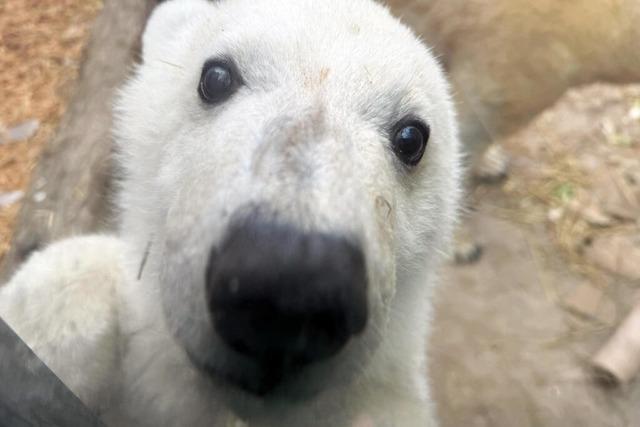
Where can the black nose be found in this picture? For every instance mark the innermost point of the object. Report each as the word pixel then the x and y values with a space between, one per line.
pixel 285 298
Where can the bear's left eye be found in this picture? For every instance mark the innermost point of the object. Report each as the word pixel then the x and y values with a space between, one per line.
pixel 218 81
pixel 410 140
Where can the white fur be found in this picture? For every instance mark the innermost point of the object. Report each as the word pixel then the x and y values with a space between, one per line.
pixel 62 303
pixel 307 137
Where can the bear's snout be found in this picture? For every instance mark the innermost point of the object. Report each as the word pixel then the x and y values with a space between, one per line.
pixel 285 298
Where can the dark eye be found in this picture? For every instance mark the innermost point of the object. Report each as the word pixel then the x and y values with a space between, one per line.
pixel 218 81
pixel 410 140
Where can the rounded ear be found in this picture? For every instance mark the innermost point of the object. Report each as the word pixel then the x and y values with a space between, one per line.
pixel 167 21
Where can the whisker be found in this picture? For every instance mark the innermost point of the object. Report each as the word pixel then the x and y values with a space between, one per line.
pixel 171 64
pixel 144 259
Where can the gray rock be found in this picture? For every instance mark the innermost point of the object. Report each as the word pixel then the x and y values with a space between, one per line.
pixel 8 199
pixel 21 132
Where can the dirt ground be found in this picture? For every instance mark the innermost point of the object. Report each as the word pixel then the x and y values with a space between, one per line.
pixel 513 336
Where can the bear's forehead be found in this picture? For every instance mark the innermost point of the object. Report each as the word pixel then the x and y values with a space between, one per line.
pixel 343 35
pixel 353 46
pixel 286 14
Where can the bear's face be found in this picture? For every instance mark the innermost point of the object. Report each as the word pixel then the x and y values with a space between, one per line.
pixel 295 165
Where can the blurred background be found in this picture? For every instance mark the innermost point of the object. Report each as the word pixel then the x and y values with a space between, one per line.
pixel 548 263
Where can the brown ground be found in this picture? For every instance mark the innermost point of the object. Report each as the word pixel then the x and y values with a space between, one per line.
pixel 511 338
pixel 41 43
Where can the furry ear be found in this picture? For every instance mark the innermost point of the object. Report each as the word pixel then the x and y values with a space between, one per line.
pixel 167 21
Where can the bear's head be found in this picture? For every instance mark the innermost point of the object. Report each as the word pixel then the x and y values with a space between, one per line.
pixel 292 168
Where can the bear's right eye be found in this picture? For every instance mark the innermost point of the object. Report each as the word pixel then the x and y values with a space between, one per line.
pixel 218 81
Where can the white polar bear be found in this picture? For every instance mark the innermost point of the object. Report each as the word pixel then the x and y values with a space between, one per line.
pixel 290 184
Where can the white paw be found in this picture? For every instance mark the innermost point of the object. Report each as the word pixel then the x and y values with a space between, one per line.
pixel 62 303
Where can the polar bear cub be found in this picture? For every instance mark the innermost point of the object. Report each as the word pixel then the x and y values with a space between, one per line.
pixel 290 181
